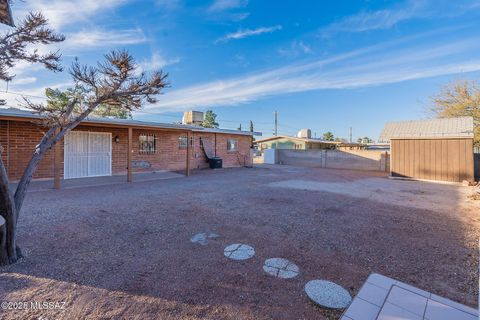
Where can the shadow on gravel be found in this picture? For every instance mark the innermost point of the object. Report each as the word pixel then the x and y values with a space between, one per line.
pixel 125 250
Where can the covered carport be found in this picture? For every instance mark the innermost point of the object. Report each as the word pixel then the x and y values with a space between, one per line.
pixel 434 149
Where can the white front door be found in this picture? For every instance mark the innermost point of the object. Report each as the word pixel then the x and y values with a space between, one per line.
pixel 87 154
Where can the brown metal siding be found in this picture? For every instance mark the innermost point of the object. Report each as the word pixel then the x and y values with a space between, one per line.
pixel 433 159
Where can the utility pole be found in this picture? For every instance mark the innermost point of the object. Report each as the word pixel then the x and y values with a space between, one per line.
pixel 276 123
pixel 350 134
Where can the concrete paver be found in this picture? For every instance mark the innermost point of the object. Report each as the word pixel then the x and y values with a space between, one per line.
pixel 383 298
pixel 239 251
pixel 327 294
pixel 281 268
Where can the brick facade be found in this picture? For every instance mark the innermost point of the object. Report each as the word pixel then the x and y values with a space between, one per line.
pixel 19 138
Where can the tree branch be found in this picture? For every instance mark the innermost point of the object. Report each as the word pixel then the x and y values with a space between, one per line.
pixel 14 45
pixel 113 83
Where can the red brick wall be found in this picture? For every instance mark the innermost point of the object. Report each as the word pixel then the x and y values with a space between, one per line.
pixel 169 156
pixel 237 158
pixel 4 142
pixel 20 138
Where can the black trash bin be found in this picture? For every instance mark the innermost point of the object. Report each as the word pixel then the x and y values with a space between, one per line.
pixel 215 163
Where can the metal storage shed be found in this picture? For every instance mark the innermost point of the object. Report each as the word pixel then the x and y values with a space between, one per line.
pixel 436 149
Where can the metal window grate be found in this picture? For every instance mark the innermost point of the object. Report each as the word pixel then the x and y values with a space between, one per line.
pixel 232 145
pixel 147 143
pixel 182 142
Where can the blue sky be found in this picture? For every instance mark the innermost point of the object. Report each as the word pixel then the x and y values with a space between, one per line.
pixel 324 65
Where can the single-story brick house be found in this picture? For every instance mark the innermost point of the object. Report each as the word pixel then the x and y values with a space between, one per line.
pixel 100 147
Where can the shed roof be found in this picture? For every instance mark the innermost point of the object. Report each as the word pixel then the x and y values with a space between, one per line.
pixel 429 129
pixel 15 113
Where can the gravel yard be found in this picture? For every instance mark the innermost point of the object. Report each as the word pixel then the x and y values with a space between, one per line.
pixel 124 251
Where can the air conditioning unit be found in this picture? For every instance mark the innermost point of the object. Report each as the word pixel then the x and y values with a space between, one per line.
pixel 304 133
pixel 192 117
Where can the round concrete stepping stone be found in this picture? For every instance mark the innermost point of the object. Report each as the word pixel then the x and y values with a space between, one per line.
pixel 281 268
pixel 202 238
pixel 239 251
pixel 327 294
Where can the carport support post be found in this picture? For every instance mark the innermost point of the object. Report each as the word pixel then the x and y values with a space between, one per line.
pixel 187 165
pixel 56 165
pixel 129 155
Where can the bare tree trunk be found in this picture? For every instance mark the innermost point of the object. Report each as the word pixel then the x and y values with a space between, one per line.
pixel 8 247
pixel 27 176
pixel 3 242
pixel 10 205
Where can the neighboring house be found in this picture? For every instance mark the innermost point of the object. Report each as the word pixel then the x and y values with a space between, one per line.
pixel 345 146
pixel 294 143
pixel 377 146
pixel 6 13
pixel 101 147
pixel 437 149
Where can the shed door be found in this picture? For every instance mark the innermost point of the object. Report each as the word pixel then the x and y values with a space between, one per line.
pixel 433 159
pixel 87 154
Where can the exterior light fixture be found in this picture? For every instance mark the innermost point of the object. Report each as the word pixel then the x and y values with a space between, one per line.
pixel 116 139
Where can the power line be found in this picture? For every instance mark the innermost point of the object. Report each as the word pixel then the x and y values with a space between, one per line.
pixel 24 94
pixel 171 116
pixel 177 118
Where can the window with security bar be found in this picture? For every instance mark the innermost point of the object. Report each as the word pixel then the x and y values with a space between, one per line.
pixel 147 143
pixel 232 145
pixel 182 142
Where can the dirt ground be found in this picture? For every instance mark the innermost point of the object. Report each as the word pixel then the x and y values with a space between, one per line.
pixel 124 252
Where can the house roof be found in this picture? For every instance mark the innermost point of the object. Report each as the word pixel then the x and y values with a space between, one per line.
pixel 429 129
pixel 14 113
pixel 6 13
pixel 310 140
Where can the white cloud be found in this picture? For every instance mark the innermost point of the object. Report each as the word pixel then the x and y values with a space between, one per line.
pixel 15 95
pixel 24 80
pixel 239 60
pixel 390 17
pixel 240 34
pixel 239 16
pixel 381 19
pixel 473 5
pixel 22 67
pixel 296 48
pixel 156 62
pixel 223 5
pixel 62 12
pixel 102 38
pixel 364 67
